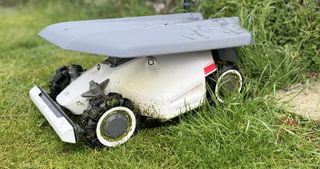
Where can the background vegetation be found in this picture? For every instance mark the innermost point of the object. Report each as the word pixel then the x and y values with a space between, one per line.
pixel 251 132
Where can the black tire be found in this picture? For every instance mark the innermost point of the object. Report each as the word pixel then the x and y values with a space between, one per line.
pixel 61 80
pixel 97 107
pixel 214 78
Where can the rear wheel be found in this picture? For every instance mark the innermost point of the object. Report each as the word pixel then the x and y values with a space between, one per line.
pixel 110 121
pixel 228 82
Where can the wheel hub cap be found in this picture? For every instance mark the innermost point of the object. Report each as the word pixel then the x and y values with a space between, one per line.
pixel 115 125
pixel 229 83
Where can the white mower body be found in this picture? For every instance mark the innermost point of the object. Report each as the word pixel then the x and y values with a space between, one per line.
pixel 162 87
pixel 171 55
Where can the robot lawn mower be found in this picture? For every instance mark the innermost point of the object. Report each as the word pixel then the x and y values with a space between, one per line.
pixel 157 67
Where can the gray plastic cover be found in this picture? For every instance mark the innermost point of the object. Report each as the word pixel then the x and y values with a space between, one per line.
pixel 148 36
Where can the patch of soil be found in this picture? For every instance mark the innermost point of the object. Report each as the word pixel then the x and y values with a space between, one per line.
pixel 301 99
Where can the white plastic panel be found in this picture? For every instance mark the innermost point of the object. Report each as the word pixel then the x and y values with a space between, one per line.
pixel 60 124
pixel 164 89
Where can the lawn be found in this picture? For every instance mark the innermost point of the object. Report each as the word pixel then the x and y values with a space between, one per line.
pixel 251 132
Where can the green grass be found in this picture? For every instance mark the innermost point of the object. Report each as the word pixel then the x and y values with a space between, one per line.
pixel 251 132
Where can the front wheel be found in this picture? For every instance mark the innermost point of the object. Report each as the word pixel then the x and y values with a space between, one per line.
pixel 116 126
pixel 63 78
pixel 110 121
pixel 228 82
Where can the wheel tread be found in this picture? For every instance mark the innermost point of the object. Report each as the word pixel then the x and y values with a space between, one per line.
pixel 98 106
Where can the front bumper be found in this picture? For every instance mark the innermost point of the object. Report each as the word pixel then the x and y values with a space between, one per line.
pixel 66 129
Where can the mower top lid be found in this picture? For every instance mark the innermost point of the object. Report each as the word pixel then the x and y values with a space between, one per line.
pixel 148 36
